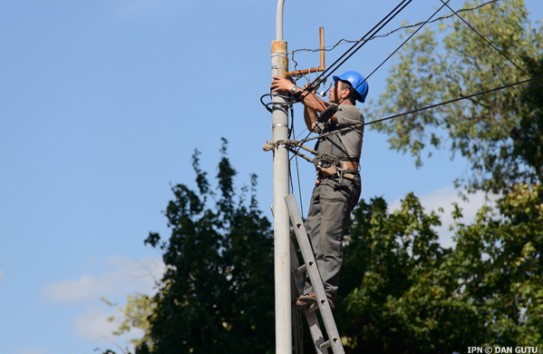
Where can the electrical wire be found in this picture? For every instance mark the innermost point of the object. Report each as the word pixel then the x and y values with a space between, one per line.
pixel 405 41
pixel 361 42
pixel 378 27
pixel 480 93
pixel 356 47
pixel 300 201
pixel 266 105
pixel 392 14
pixel 434 105
pixel 346 55
pixel 378 36
pixel 297 168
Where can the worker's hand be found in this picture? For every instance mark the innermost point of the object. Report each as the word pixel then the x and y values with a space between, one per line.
pixel 281 85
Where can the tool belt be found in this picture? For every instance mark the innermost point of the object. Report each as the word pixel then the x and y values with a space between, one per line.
pixel 343 169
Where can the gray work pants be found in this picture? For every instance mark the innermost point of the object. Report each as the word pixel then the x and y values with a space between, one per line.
pixel 330 208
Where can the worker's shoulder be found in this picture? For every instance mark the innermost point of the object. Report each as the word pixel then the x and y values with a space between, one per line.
pixel 350 112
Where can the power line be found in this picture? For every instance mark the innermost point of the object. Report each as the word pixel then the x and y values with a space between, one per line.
pixel 480 93
pixel 398 115
pixel 376 36
pixel 398 9
pixel 351 51
pixel 356 46
pixel 406 40
pixel 346 55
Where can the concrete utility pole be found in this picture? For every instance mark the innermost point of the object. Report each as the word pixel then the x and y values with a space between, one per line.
pixel 283 319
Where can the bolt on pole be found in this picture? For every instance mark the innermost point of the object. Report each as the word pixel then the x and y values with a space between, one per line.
pixel 283 310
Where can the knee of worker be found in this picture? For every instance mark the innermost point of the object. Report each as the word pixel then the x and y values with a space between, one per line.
pixel 331 238
pixel 312 224
pixel 334 222
pixel 334 209
pixel 312 227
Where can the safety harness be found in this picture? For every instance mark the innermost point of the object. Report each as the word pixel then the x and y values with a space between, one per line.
pixel 332 159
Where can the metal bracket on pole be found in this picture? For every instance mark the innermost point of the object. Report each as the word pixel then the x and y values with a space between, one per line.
pixel 322 65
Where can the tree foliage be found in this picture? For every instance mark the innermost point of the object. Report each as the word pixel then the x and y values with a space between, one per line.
pixel 484 49
pixel 401 292
pixel 400 295
pixel 216 295
pixel 528 136
pixel 133 316
pixel 499 260
pixel 404 293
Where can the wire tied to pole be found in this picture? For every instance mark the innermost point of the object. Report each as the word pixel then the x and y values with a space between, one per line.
pixel 290 145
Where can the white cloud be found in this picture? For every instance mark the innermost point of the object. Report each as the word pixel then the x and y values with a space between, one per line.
pixel 94 325
pixel 124 276
pixel 444 198
pixel 2 274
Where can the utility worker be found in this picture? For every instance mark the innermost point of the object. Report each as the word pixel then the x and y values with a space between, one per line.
pixel 338 184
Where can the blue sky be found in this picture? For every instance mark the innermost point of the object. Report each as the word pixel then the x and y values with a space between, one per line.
pixel 102 104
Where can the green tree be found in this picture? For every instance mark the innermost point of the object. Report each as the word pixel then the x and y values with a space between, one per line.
pixel 405 294
pixel 498 261
pixel 458 61
pixel 528 136
pixel 400 295
pixel 401 292
pixel 216 295
pixel 493 276
pixel 133 315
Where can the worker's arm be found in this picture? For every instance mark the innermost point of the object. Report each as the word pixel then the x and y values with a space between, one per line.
pixel 310 118
pixel 313 105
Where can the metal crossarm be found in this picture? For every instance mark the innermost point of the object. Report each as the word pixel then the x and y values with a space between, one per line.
pixel 333 340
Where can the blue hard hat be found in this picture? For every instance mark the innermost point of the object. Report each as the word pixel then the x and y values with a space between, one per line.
pixel 357 81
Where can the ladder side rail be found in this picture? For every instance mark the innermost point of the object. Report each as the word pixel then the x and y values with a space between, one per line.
pixel 314 275
pixel 310 315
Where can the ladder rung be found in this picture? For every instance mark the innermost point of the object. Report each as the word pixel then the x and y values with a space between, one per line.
pixel 325 345
pixel 328 343
pixel 314 307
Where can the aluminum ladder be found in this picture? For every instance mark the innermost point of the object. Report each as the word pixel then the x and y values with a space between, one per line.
pixel 332 340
